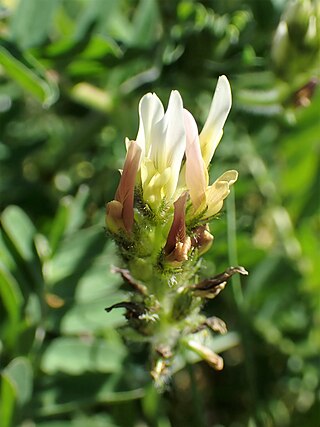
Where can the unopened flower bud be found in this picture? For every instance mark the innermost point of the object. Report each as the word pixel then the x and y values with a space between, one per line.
pixel 295 46
pixel 202 239
pixel 120 211
pixel 114 220
pixel 206 354
pixel 297 16
pixel 178 243
pixel 280 46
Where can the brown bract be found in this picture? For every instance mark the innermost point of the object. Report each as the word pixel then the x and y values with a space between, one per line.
pixel 178 243
pixel 119 212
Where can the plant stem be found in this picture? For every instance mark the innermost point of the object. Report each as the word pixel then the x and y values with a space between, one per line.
pixel 232 248
pixel 239 302
pixel 196 399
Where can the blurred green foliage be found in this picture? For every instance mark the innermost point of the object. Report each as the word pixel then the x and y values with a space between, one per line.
pixel 72 73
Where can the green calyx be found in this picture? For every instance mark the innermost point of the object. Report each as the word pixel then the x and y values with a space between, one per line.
pixel 166 296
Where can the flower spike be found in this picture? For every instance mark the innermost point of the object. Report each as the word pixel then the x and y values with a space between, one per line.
pixel 159 219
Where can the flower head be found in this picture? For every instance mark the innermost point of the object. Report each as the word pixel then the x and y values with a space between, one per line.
pixel 169 158
pixel 162 140
pixel 160 221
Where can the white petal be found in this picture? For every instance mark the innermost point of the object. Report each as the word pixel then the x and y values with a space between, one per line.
pixel 175 131
pixel 195 172
pixel 150 112
pixel 175 136
pixel 168 132
pixel 213 128
pixel 169 141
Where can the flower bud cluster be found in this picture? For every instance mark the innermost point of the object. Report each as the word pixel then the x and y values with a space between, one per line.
pixel 296 43
pixel 160 218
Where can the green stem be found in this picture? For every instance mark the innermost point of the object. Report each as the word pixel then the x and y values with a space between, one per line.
pixel 196 400
pixel 232 248
pixel 239 301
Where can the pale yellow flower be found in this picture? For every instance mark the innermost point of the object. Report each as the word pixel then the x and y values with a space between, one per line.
pixel 162 139
pixel 199 151
pixel 169 158
pixel 212 131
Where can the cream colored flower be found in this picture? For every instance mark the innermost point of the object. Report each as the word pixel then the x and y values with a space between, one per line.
pixel 156 159
pixel 212 131
pixel 162 140
pixel 199 151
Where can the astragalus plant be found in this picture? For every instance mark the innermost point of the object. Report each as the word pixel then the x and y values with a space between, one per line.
pixel 160 219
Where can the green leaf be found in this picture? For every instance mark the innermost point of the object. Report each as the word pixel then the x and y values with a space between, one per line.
pixel 99 281
pixel 27 75
pixel 19 371
pixel 7 401
pixel 70 216
pixel 145 25
pixel 100 47
pixel 31 21
pixel 75 356
pixel 6 255
pixel 77 215
pixel 92 317
pixel 20 230
pixel 59 224
pixel 12 299
pixel 105 18
pixel 64 393
pixel 99 420
pixel 74 256
pixel 10 292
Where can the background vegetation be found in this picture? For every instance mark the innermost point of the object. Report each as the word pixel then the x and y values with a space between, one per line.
pixel 72 73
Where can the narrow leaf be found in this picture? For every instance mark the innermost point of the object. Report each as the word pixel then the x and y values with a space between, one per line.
pixel 25 75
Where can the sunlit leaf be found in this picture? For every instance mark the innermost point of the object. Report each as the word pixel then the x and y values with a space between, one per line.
pixel 19 371
pixel 44 89
pixel 30 23
pixel 7 400
pixel 91 355
pixel 10 292
pixel 146 24
pixel 20 230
